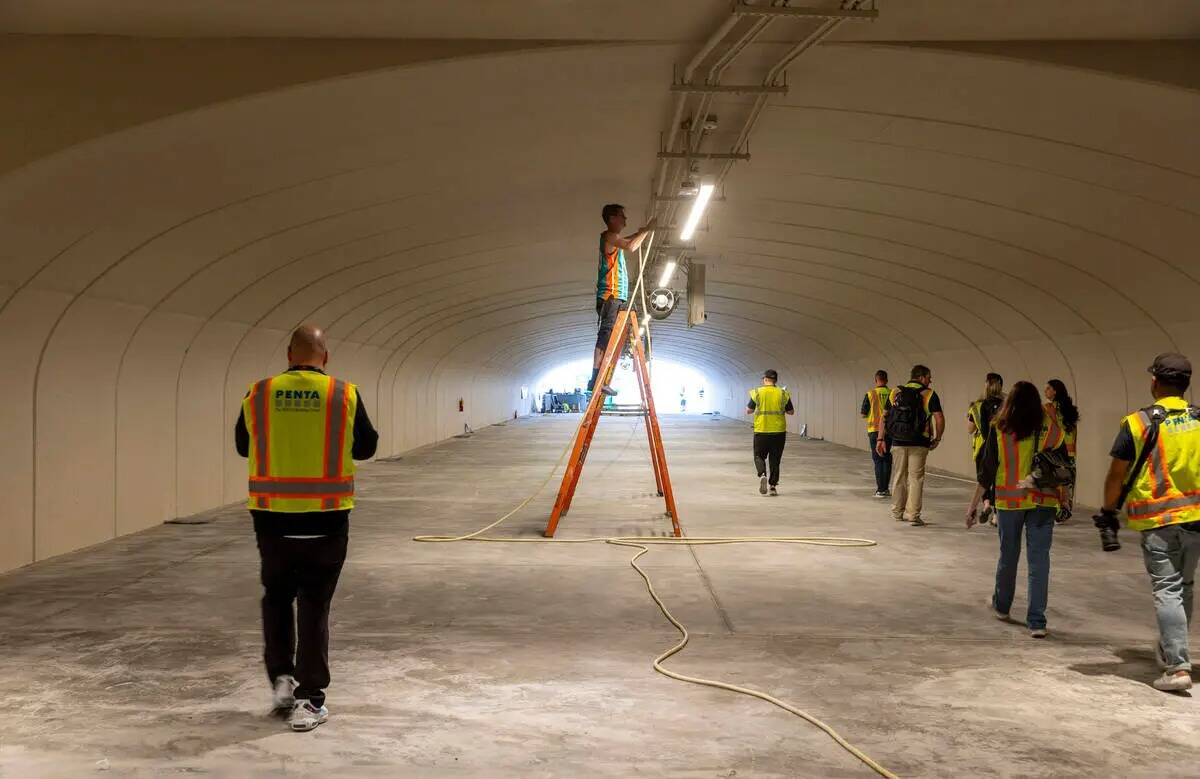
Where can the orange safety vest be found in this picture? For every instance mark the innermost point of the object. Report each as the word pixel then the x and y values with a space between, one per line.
pixel 301 435
pixel 1167 491
pixel 1016 461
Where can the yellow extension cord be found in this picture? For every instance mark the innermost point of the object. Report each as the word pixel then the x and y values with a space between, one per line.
pixel 642 544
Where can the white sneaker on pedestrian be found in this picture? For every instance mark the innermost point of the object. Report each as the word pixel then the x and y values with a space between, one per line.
pixel 283 696
pixel 306 717
pixel 880 494
pixel 1173 682
pixel 774 492
pixel 1037 632
pixel 762 485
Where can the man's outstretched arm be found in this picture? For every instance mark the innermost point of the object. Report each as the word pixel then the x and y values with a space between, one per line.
pixel 633 242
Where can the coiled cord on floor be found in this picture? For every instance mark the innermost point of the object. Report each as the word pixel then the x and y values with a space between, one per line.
pixel 642 544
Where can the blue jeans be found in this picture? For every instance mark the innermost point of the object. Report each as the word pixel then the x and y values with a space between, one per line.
pixel 883 465
pixel 1171 554
pixel 1038 524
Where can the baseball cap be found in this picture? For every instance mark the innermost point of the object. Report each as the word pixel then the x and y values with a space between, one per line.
pixel 1171 365
pixel 770 373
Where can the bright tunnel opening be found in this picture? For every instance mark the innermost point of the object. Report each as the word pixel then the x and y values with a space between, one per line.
pixel 678 388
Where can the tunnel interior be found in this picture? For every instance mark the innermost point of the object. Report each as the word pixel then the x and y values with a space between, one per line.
pixel 902 204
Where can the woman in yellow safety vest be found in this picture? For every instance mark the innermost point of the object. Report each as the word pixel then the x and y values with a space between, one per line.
pixel 1022 427
pixel 979 421
pixel 1060 404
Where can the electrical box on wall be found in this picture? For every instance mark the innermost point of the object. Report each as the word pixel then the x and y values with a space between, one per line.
pixel 695 293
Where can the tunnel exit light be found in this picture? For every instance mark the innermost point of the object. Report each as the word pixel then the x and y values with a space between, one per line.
pixel 698 205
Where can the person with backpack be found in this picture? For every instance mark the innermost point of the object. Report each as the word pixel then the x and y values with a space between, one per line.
pixel 914 421
pixel 1025 503
pixel 1156 468
pixel 872 411
pixel 1059 403
pixel 979 422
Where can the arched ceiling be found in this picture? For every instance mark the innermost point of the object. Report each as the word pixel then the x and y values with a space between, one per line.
pixel 633 20
pixel 973 206
pixel 461 197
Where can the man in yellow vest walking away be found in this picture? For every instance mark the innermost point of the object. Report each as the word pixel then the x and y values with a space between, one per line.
pixel 1155 472
pixel 768 404
pixel 301 431
pixel 873 404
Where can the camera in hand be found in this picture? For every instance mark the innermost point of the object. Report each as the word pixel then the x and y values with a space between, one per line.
pixel 1108 524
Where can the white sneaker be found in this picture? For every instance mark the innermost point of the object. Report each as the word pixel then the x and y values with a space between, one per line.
pixel 306 717
pixel 762 485
pixel 283 696
pixel 774 493
pixel 1173 682
pixel 1037 632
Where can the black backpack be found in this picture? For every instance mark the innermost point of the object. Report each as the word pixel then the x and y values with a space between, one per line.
pixel 906 419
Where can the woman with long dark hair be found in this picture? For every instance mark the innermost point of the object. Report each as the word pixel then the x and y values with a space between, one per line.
pixel 979 421
pixel 1060 404
pixel 1022 428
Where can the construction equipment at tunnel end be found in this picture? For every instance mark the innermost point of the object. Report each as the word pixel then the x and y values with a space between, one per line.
pixel 626 329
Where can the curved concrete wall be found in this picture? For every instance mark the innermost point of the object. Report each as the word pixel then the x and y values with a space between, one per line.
pixel 966 212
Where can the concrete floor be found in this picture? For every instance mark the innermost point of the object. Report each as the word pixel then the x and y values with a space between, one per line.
pixel 140 657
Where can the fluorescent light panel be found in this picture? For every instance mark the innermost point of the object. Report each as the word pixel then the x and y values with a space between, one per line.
pixel 698 206
pixel 667 273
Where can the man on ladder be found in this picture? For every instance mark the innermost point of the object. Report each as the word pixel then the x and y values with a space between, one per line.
pixel 768 404
pixel 612 283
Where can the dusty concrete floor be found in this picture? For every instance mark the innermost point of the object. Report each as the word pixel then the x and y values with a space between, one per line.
pixel 140 657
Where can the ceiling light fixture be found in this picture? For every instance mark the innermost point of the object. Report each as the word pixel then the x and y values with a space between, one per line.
pixel 693 221
pixel 667 273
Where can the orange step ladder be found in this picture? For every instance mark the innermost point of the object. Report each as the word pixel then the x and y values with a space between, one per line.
pixel 625 327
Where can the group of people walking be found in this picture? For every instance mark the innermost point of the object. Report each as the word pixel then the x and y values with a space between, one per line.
pixel 1024 451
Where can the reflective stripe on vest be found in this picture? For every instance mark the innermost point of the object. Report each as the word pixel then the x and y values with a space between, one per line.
pixel 1167 490
pixel 770 403
pixel 300 450
pixel 1016 461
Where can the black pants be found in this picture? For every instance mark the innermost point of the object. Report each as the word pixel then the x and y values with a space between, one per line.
pixel 769 447
pixel 883 463
pixel 305 571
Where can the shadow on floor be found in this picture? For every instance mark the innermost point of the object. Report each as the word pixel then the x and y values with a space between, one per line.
pixel 1137 665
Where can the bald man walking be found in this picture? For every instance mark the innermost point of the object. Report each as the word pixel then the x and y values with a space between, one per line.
pixel 301 431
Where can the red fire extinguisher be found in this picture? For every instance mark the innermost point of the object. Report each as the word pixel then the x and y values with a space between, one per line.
pixel 460 404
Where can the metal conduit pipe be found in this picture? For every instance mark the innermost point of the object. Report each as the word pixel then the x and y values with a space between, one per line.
pixel 681 99
pixel 772 77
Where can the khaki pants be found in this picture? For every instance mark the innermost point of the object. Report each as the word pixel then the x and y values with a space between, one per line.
pixel 908 480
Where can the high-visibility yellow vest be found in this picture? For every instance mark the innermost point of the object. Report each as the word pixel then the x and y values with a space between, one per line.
pixel 1015 463
pixel 301 433
pixel 1167 491
pixel 1070 435
pixel 769 404
pixel 877 398
pixel 979 437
